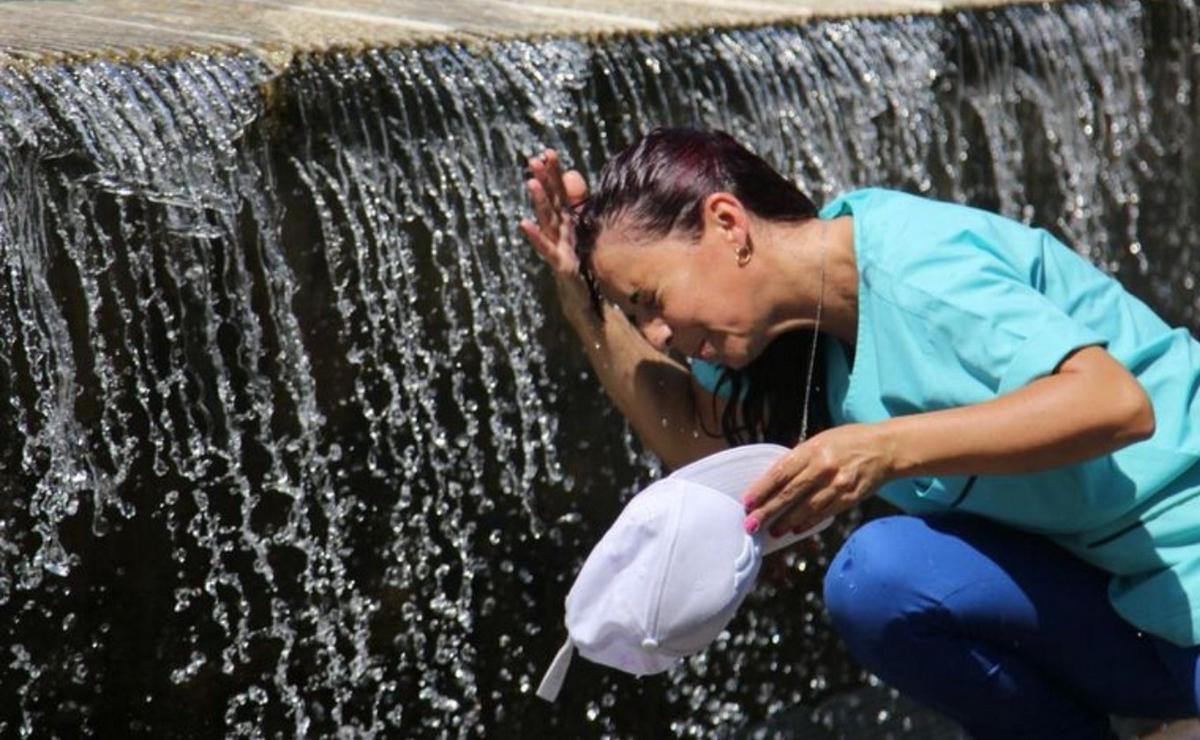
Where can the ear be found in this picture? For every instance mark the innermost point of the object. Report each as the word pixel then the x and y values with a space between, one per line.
pixel 727 221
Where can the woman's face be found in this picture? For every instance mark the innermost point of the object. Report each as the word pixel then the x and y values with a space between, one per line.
pixel 684 294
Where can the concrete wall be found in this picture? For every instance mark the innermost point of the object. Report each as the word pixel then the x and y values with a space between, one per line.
pixel 46 29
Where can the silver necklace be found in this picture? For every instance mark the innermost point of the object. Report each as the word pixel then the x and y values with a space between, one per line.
pixel 812 356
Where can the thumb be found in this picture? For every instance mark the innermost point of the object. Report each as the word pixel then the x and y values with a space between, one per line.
pixel 575 187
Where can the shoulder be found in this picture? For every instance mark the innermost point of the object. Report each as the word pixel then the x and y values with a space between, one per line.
pixel 924 241
pixel 870 202
pixel 857 203
pixel 892 225
pixel 910 235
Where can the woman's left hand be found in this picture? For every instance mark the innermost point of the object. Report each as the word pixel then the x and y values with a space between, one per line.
pixel 820 478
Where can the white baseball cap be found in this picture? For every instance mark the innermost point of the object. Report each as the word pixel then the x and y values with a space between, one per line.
pixel 670 573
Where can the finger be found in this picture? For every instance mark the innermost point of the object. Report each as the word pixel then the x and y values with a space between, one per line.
pixel 803 515
pixel 795 494
pixel 776 477
pixel 765 486
pixel 547 218
pixel 554 179
pixel 535 237
pixel 824 509
pixel 575 187
pixel 787 496
pixel 541 172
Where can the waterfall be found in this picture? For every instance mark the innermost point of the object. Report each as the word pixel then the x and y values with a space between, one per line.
pixel 292 437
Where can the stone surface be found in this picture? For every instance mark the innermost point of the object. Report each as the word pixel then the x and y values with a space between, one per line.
pixel 39 30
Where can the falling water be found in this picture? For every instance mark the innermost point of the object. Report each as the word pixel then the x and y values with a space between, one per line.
pixel 294 440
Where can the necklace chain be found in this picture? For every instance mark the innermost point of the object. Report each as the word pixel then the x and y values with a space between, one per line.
pixel 812 355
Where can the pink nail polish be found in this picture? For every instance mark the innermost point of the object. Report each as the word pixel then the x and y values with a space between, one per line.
pixel 748 503
pixel 751 525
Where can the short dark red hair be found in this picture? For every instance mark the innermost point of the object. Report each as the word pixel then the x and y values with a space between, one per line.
pixel 660 182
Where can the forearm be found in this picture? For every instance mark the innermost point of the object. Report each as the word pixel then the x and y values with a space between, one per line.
pixel 651 390
pixel 1057 420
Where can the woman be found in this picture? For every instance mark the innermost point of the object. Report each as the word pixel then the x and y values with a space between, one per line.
pixel 1035 422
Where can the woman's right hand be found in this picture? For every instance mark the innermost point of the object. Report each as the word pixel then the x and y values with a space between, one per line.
pixel 554 196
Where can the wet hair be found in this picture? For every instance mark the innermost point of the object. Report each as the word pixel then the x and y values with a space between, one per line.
pixel 658 186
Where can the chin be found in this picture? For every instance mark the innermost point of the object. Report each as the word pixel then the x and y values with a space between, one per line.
pixel 738 358
pixel 737 361
pixel 736 354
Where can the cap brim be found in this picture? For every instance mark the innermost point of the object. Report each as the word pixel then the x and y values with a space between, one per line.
pixel 732 471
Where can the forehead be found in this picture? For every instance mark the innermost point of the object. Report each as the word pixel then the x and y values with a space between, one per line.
pixel 624 260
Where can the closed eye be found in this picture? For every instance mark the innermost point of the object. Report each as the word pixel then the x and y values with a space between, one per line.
pixel 648 301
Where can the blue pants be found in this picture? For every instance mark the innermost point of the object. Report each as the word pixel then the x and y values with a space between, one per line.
pixel 1001 630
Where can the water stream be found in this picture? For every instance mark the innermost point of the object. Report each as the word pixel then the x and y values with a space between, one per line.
pixel 292 438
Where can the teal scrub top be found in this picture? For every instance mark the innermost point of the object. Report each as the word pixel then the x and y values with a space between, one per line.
pixel 958 306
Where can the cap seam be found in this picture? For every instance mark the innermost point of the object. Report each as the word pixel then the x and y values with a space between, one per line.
pixel 656 613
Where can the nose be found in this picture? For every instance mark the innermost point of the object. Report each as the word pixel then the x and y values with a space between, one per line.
pixel 657 333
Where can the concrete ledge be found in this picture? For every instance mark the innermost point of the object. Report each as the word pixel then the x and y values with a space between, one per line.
pixel 45 30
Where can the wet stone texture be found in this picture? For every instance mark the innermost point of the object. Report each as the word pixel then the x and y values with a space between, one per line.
pixel 292 437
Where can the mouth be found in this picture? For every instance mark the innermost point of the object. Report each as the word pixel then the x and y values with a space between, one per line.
pixel 704 350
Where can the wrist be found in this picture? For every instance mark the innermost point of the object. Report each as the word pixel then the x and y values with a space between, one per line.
pixel 575 299
pixel 891 447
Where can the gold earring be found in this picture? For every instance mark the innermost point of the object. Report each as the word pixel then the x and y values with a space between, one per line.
pixel 743 256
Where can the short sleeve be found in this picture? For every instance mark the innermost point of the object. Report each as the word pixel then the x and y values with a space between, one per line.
pixel 1044 350
pixel 981 311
